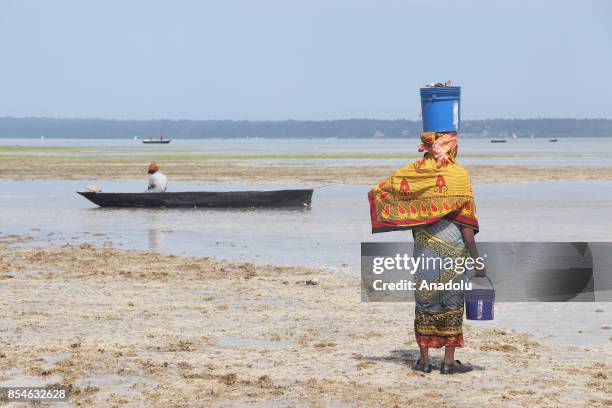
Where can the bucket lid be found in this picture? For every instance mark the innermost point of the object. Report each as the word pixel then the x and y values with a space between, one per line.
pixel 441 90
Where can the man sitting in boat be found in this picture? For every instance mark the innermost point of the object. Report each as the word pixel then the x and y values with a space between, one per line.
pixel 157 181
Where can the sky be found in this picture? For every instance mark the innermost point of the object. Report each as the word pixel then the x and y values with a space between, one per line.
pixel 314 60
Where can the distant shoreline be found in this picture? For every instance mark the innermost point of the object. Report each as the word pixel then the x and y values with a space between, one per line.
pixel 340 128
pixel 411 136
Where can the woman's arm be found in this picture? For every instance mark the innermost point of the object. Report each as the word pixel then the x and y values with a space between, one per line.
pixel 468 238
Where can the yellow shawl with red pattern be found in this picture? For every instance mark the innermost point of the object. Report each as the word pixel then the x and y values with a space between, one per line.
pixel 422 193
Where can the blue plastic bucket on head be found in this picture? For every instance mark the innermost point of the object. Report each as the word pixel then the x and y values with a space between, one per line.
pixel 480 302
pixel 441 108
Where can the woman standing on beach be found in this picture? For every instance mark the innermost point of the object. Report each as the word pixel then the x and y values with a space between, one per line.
pixel 433 198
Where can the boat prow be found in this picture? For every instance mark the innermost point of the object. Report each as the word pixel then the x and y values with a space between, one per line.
pixel 203 199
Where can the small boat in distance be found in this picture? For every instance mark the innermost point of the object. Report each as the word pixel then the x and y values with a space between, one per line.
pixel 161 140
pixel 552 140
pixel 202 199
pixel 498 140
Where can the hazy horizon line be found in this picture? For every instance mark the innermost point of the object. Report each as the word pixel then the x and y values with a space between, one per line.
pixel 280 120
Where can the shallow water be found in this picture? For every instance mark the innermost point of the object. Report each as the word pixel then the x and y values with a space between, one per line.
pixel 329 234
pixel 585 151
pixel 17 378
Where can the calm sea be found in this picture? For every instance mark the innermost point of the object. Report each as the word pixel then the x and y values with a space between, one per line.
pixel 538 151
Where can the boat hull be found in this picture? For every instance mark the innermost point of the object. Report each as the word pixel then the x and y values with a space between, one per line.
pixel 156 141
pixel 203 199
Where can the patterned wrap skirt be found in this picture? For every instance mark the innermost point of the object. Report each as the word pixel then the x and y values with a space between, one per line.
pixel 439 313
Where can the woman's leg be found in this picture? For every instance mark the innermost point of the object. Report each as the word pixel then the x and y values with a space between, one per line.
pixel 449 355
pixel 424 359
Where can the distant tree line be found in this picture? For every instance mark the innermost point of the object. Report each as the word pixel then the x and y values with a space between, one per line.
pixel 342 128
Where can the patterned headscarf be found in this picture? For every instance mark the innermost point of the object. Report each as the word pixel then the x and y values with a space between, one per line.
pixel 442 146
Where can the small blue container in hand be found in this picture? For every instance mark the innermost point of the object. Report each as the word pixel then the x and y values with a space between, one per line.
pixel 441 108
pixel 480 302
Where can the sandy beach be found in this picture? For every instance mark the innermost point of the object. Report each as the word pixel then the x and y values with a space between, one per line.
pixel 279 171
pixel 121 327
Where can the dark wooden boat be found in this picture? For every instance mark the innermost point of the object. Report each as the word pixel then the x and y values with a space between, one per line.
pixel 552 140
pixel 498 140
pixel 203 199
pixel 159 141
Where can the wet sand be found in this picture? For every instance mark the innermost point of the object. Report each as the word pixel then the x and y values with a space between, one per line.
pixel 279 171
pixel 121 327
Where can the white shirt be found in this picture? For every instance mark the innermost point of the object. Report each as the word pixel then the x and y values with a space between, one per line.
pixel 157 183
